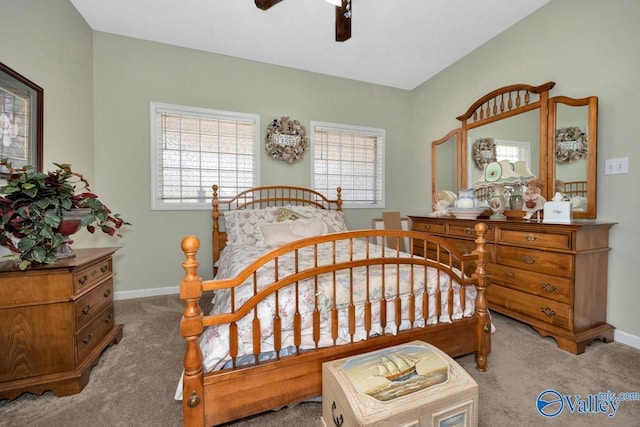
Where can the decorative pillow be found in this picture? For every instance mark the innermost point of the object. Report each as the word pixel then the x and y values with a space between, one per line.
pixel 280 233
pixel 286 214
pixel 241 224
pixel 333 219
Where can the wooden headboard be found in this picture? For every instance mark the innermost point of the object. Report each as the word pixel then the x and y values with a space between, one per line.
pixel 262 197
pixel 575 188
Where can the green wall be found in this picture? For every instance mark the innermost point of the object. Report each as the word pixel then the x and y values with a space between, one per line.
pixel 588 47
pixel 98 87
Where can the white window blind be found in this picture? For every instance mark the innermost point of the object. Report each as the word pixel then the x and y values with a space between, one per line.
pixel 513 150
pixel 349 157
pixel 194 148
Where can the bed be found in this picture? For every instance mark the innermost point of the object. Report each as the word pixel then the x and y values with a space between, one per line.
pixel 283 305
pixel 576 191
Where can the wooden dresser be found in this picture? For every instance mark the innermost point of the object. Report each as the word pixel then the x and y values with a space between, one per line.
pixel 550 276
pixel 55 322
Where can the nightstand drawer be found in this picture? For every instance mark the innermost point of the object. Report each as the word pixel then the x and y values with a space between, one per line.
pixel 542 309
pixel 551 263
pixel 92 274
pixel 536 239
pixel 428 227
pixel 94 331
pixel 543 285
pixel 89 305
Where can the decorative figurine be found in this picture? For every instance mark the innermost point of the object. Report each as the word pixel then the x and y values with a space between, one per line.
pixel 533 200
pixel 445 200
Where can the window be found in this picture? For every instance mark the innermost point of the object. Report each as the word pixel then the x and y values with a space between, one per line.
pixel 194 148
pixel 513 150
pixel 349 157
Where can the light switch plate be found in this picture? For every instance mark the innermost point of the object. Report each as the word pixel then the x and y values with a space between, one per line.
pixel 616 166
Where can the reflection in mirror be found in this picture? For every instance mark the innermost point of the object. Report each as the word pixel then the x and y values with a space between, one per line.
pixel 516 138
pixel 573 132
pixel 445 164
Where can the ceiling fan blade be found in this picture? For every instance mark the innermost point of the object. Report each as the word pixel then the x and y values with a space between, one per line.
pixel 266 4
pixel 343 21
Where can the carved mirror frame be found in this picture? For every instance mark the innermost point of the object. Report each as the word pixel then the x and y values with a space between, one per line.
pixel 510 101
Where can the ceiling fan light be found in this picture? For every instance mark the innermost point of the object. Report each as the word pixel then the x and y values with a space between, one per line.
pixel 336 3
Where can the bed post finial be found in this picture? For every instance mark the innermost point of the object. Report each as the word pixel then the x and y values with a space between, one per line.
pixel 484 327
pixel 191 328
pixel 339 198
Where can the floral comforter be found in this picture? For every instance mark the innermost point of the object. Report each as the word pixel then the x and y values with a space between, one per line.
pixel 214 341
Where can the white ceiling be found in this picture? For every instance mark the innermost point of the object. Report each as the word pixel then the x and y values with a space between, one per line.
pixel 397 43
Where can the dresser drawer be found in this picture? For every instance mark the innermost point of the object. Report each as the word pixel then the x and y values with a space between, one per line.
pixel 92 274
pixel 536 239
pixel 434 228
pixel 89 305
pixel 542 309
pixel 94 331
pixel 551 263
pixel 543 285
pixel 467 231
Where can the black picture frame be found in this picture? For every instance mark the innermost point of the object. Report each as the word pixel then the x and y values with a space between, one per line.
pixel 21 109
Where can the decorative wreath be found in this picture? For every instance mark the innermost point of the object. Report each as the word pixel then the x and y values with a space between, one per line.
pixel 286 140
pixel 571 144
pixel 484 151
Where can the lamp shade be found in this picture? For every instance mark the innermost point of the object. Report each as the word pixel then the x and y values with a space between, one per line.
pixel 521 168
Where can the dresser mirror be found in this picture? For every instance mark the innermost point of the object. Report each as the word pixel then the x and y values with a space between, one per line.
pixel 573 136
pixel 520 122
pixel 446 152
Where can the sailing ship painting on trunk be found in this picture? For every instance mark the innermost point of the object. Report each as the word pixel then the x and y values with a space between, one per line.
pixel 391 373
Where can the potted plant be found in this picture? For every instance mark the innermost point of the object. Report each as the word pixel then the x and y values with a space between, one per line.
pixel 37 212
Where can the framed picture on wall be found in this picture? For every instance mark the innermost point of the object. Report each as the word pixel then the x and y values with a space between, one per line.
pixel 21 108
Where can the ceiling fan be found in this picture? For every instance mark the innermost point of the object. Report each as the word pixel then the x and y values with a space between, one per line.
pixel 343 16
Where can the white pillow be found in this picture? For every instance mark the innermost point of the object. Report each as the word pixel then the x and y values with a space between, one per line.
pixel 333 219
pixel 280 233
pixel 241 224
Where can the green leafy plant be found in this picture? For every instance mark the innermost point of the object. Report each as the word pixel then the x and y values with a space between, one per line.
pixel 32 205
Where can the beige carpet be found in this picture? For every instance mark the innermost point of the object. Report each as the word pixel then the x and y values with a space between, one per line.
pixel 134 383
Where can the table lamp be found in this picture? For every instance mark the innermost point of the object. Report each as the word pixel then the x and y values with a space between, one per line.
pixel 498 175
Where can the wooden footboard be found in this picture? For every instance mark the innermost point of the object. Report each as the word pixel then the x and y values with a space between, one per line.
pixel 211 398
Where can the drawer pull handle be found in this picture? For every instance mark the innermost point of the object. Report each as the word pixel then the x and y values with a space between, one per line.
pixel 107 293
pixel 530 237
pixel 468 231
pixel 528 259
pixel 83 279
pixel 108 318
pixel 511 273
pixel 88 338
pixel 427 227
pixel 336 420
pixel 104 268
pixel 547 311
pixel 193 400
pixel 549 287
pixel 86 310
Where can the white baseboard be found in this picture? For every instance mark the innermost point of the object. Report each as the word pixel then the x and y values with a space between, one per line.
pixel 625 338
pixel 143 293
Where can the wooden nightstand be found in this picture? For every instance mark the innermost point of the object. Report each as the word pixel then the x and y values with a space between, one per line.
pixel 55 322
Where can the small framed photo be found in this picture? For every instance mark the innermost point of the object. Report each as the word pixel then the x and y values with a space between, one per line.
pixel 21 108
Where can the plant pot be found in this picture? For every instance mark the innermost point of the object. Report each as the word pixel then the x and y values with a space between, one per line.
pixel 70 224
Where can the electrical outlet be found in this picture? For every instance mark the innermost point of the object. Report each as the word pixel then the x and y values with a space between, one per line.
pixel 616 166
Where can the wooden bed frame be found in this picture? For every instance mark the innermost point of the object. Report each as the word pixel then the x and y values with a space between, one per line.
pixel 212 398
pixel 575 188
